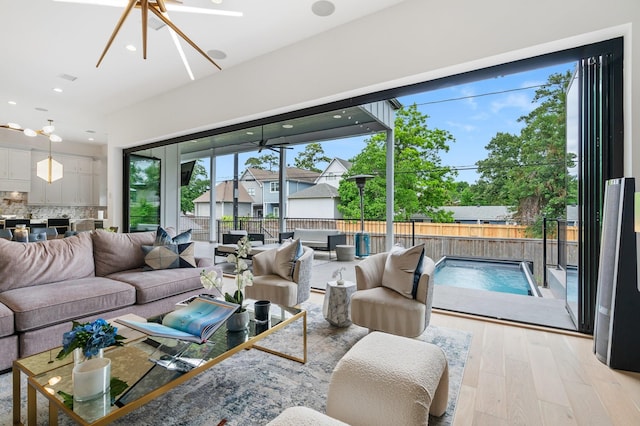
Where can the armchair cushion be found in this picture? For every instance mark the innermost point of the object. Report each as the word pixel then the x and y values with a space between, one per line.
pixel 402 270
pixel 286 256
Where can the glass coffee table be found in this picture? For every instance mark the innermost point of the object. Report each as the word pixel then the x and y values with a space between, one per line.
pixel 150 367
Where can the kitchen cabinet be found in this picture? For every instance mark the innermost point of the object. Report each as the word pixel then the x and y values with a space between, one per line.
pixel 77 187
pixel 99 183
pixel 15 170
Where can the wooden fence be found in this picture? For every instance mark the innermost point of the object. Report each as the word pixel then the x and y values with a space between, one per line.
pixel 484 241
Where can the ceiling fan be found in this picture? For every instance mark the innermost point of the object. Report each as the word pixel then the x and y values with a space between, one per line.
pixel 160 9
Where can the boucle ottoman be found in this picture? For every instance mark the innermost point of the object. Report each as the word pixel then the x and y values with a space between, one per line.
pixel 303 416
pixel 389 380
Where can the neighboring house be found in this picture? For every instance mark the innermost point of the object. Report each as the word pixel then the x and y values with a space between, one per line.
pixel 265 185
pixel 494 215
pixel 332 174
pixel 224 201
pixel 319 201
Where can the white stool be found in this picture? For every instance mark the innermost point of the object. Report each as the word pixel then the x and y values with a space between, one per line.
pixel 345 253
pixel 389 380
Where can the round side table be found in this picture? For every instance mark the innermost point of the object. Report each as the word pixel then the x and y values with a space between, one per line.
pixel 337 303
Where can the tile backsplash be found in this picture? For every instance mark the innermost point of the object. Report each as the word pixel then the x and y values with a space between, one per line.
pixel 15 203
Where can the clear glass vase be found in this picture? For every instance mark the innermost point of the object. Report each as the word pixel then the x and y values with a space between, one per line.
pixel 79 356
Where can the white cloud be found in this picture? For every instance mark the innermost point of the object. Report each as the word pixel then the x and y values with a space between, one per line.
pixel 463 126
pixel 513 100
pixel 471 100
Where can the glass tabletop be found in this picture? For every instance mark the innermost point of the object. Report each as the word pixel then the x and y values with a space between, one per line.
pixel 152 363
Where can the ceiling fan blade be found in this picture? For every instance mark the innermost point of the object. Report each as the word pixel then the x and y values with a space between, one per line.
pixel 170 6
pixel 164 19
pixel 124 15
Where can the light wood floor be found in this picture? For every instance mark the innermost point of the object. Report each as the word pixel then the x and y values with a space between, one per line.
pixel 523 376
pixel 518 375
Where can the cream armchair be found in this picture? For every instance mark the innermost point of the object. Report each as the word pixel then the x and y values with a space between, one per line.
pixel 380 308
pixel 268 284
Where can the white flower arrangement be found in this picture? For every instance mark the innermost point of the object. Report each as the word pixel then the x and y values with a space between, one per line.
pixel 211 280
pixel 244 277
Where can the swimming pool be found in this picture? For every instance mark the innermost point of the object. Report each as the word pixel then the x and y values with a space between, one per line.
pixel 503 276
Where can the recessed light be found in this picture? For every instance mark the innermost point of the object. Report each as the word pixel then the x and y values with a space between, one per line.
pixel 250 133
pixel 57 89
pixel 216 54
pixel 130 48
pixel 287 126
pixel 216 1
pixel 337 116
pixel 91 139
pixel 323 8
pixel 12 103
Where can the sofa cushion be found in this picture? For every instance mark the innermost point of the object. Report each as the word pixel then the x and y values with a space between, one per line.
pixel 64 301
pixel 155 285
pixel 402 270
pixel 115 252
pixel 164 237
pixel 169 256
pixel 29 264
pixel 6 321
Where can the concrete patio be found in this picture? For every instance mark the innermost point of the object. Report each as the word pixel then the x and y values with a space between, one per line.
pixel 544 311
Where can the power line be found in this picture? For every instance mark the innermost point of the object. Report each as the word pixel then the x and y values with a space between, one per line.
pixel 483 94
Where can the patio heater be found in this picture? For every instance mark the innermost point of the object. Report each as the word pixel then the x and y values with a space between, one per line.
pixel 362 239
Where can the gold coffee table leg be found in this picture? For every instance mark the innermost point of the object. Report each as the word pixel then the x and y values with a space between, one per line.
pixel 16 396
pixel 32 406
pixel 53 415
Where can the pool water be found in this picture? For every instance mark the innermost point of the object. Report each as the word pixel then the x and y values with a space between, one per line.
pixel 504 277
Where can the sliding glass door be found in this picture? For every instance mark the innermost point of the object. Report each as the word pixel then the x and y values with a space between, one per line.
pixel 595 97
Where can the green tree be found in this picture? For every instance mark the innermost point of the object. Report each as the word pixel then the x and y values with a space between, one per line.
pixel 312 154
pixel 198 185
pixel 422 183
pixel 530 171
pixel 263 162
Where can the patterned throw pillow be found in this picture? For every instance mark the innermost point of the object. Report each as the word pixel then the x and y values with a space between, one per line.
pixel 286 256
pixel 402 270
pixel 169 256
pixel 163 237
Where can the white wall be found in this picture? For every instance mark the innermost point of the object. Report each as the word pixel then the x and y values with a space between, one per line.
pixel 317 208
pixel 414 41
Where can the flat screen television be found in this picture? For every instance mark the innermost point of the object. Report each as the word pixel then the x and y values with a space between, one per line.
pixel 186 170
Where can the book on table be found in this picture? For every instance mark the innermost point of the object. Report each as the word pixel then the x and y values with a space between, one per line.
pixel 196 322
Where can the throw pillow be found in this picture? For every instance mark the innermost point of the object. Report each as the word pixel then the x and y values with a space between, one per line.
pixel 169 256
pixel 163 237
pixel 286 256
pixel 402 270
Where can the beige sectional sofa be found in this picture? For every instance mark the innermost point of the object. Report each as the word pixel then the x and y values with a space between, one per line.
pixel 46 285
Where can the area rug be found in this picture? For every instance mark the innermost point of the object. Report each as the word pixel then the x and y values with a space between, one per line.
pixel 253 387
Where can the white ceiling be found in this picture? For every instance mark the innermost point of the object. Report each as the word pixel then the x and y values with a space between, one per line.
pixel 42 40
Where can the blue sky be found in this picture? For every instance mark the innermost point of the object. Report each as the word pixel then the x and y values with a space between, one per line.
pixel 473 113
